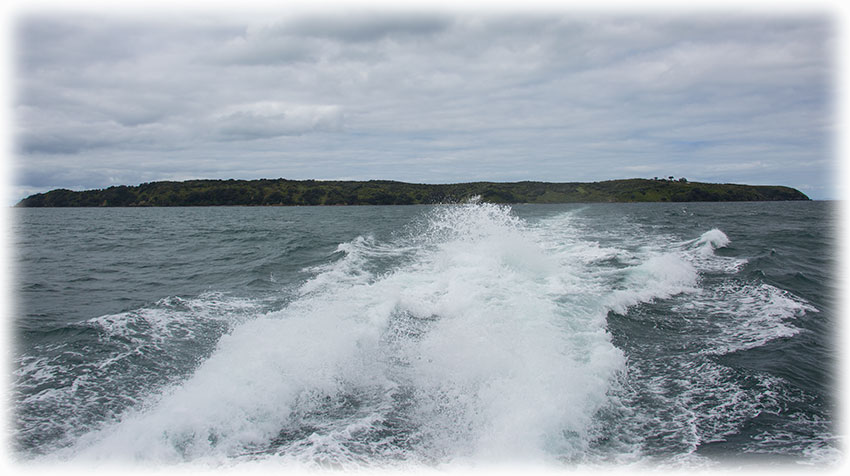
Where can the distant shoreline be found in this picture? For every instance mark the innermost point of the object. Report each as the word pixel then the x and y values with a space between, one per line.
pixel 283 192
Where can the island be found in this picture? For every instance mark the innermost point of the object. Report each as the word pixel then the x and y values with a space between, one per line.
pixel 281 192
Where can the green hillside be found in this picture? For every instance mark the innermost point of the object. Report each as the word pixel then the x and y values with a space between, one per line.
pixel 382 192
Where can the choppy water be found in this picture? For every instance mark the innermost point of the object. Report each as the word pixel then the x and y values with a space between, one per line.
pixel 564 335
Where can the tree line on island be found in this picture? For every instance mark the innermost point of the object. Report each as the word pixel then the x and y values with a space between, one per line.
pixel 270 192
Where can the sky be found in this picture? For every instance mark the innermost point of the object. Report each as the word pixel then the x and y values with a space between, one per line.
pixel 429 94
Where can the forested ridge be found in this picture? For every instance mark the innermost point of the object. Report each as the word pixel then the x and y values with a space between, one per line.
pixel 384 192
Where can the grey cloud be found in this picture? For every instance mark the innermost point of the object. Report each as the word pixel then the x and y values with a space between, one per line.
pixel 74 140
pixel 64 46
pixel 43 132
pixel 60 173
pixel 262 50
pixel 47 133
pixel 306 39
pixel 65 43
pixel 266 120
pixel 426 97
pixel 58 144
pixel 313 38
pixel 365 27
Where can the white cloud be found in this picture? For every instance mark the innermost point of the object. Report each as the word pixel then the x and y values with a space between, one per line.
pixel 267 119
pixel 425 97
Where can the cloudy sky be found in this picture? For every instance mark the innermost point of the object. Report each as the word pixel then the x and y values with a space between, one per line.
pixel 427 95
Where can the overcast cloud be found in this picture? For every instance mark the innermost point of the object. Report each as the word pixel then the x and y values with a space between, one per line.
pixel 431 97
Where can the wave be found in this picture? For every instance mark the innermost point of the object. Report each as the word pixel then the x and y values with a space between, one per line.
pixel 741 315
pixel 471 337
pixel 102 366
pixel 463 347
pixel 712 240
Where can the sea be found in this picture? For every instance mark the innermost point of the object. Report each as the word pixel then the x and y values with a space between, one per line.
pixel 468 335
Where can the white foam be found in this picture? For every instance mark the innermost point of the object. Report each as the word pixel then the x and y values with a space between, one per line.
pixel 139 350
pixel 242 395
pixel 712 240
pixel 659 277
pixel 745 315
pixel 481 349
pixel 174 317
pixel 701 253
pixel 486 339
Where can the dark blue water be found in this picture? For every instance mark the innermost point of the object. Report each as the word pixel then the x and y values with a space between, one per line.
pixel 660 335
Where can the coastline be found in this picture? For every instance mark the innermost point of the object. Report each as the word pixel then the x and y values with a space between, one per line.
pixel 283 192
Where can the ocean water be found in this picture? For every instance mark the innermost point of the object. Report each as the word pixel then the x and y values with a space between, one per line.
pixel 469 335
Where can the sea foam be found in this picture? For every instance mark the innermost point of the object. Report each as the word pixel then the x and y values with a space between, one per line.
pixel 462 345
pixel 712 240
pixel 472 337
